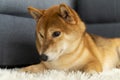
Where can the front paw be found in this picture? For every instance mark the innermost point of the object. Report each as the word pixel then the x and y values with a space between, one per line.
pixel 32 69
pixel 91 72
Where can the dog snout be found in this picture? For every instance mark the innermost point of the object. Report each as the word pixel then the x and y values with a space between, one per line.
pixel 44 57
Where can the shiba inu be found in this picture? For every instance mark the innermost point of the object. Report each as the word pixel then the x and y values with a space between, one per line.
pixel 64 44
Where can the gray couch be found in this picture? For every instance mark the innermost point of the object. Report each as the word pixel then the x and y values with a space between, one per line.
pixel 17 28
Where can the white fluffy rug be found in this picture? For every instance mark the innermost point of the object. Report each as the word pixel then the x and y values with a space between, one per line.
pixel 14 74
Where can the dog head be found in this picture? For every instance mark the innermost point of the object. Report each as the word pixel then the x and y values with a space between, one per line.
pixel 58 31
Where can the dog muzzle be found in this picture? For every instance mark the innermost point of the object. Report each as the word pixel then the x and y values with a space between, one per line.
pixel 43 57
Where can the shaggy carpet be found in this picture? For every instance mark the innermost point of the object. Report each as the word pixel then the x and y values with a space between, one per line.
pixel 14 74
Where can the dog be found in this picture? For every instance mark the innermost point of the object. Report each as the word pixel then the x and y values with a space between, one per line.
pixel 63 43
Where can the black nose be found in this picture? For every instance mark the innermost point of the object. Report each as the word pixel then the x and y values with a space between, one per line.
pixel 44 57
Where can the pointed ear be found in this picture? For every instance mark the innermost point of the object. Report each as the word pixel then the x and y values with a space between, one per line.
pixel 67 14
pixel 36 13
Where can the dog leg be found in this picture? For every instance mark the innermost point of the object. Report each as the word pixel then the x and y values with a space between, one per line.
pixel 93 67
pixel 118 52
pixel 34 68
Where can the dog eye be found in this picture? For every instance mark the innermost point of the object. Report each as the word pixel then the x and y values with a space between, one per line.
pixel 56 33
pixel 41 35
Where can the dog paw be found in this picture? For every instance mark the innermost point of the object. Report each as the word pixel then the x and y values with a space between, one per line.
pixel 34 68
pixel 30 69
pixel 91 72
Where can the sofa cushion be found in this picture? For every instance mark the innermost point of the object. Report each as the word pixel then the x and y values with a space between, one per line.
pixel 99 11
pixel 19 7
pixel 17 41
pixel 106 29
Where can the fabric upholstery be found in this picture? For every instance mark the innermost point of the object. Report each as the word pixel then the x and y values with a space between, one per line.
pixel 99 11
pixel 17 41
pixel 19 7
pixel 109 30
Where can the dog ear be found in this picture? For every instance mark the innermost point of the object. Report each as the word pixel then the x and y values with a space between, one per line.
pixel 67 14
pixel 36 13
